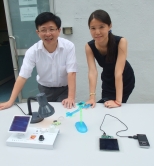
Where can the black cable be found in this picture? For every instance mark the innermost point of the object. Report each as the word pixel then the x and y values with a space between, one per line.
pixel 135 137
pixel 19 107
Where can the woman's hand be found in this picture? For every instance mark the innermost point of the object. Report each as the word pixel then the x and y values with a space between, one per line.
pixel 92 102
pixel 112 104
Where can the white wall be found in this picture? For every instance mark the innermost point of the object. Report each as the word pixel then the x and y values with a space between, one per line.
pixel 132 19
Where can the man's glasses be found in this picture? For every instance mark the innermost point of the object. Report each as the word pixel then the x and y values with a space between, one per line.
pixel 52 30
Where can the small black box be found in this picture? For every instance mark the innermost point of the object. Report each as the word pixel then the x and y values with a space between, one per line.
pixel 108 144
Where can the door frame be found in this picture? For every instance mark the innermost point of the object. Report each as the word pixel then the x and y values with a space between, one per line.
pixel 16 52
pixel 12 44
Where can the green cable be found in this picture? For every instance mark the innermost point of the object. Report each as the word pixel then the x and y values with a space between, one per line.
pixel 80 114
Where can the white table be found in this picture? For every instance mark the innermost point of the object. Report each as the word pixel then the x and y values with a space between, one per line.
pixel 75 149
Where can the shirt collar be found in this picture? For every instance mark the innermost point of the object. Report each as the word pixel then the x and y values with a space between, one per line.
pixel 40 45
pixel 60 43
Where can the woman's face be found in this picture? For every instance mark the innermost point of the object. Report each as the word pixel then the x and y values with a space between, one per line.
pixel 99 30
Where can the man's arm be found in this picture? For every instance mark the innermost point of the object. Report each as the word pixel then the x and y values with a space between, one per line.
pixel 70 101
pixel 16 90
pixel 71 85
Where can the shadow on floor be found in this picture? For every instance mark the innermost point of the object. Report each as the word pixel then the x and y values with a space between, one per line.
pixel 6 90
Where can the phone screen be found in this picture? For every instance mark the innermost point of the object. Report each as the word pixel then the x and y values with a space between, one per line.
pixel 108 144
pixel 142 137
pixel 19 123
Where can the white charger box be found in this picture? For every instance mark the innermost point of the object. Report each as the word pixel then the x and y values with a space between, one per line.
pixel 31 138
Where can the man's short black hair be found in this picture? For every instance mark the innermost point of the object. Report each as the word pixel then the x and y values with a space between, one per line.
pixel 46 17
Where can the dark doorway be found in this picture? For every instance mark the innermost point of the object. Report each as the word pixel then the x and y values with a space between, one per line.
pixel 7 78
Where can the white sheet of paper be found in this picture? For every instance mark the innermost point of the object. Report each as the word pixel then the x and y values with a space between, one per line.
pixel 27 2
pixel 28 13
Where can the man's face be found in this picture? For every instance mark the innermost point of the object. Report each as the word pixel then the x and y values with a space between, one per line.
pixel 48 33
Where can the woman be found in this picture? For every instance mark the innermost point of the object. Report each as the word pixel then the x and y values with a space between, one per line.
pixel 110 52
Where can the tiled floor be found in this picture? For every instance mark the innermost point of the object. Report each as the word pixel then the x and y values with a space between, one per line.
pixel 5 90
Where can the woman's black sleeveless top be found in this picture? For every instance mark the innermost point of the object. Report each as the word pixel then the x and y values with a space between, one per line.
pixel 107 76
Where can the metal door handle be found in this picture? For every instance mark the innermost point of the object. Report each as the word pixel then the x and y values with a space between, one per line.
pixel 15 50
pixel 12 37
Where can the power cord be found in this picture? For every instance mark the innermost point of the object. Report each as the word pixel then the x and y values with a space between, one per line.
pixel 134 137
pixel 19 108
pixel 55 122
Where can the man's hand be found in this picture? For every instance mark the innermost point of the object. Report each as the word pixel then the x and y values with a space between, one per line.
pixel 5 105
pixel 68 103
pixel 91 102
pixel 16 90
pixel 110 104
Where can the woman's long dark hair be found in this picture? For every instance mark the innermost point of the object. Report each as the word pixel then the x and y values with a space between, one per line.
pixel 104 17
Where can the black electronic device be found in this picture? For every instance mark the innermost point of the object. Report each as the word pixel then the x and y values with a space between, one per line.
pixel 41 138
pixel 143 141
pixel 108 144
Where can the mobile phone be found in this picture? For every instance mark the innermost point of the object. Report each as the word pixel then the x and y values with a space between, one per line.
pixel 143 141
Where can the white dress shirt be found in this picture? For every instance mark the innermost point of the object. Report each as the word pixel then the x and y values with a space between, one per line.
pixel 52 68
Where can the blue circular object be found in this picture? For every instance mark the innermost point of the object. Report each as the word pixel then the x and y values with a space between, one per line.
pixel 81 127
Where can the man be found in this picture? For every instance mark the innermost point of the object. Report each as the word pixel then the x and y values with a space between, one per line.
pixel 55 61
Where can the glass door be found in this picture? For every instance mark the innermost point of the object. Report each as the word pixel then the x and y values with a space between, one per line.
pixel 20 16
